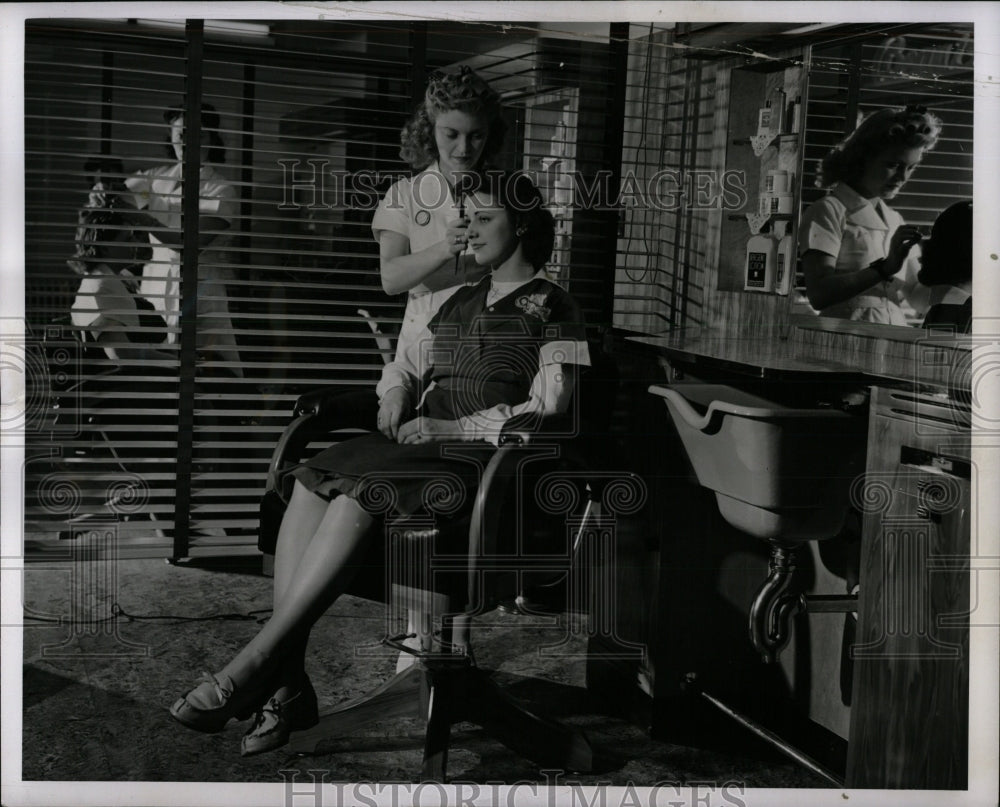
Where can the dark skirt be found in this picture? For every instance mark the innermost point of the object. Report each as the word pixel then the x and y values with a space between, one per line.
pixel 387 478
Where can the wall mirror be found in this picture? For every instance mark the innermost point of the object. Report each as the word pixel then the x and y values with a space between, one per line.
pixel 926 65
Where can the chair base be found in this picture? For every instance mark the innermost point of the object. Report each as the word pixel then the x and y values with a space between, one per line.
pixel 445 693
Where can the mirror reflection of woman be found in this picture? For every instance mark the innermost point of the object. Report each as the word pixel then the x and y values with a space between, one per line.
pixel 855 249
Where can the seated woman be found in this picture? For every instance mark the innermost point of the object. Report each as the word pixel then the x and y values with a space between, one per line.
pixel 500 348
pixel 109 256
pixel 946 266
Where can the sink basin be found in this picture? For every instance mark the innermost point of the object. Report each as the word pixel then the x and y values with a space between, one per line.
pixel 778 472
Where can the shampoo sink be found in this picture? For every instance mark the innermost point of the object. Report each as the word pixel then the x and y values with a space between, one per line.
pixel 782 474
pixel 778 472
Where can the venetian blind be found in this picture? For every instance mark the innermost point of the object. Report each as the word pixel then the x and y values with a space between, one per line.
pixel 667 144
pixel 169 454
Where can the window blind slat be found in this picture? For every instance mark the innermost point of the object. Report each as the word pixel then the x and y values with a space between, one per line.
pixel 280 288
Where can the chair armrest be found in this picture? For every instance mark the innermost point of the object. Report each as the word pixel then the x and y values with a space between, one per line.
pixel 349 405
pixel 491 500
pixel 522 429
pixel 318 413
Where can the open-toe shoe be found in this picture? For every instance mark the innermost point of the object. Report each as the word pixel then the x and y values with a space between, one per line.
pixel 212 704
pixel 276 719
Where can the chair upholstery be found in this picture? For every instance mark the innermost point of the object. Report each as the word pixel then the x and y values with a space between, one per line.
pixel 474 562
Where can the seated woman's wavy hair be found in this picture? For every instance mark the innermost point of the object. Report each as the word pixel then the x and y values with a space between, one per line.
pixel 535 226
pixel 464 91
pixel 947 254
pixel 101 224
pixel 910 127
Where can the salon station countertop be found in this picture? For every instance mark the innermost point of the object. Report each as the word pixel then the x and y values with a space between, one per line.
pixel 760 358
pixel 793 360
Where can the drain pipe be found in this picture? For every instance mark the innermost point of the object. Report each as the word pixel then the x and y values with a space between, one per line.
pixel 774 605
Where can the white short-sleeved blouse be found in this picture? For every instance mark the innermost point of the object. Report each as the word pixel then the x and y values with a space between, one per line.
pixel 857 232
pixel 418 208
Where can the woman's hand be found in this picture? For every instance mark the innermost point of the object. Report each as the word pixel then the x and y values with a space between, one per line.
pixel 430 430
pixel 456 238
pixel 393 410
pixel 903 240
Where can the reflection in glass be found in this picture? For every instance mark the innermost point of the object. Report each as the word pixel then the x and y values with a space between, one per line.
pixel 931 67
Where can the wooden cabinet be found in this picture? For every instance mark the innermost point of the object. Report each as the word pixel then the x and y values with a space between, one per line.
pixel 909 718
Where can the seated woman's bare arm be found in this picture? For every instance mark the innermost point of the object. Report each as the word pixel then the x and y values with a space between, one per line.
pixel 551 391
pixel 173 237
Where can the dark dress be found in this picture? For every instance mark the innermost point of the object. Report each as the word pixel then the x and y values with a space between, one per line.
pixel 480 357
pixel 950 317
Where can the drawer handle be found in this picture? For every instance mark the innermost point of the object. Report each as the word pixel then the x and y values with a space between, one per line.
pixel 939 463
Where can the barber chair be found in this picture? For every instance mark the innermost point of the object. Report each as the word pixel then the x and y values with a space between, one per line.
pixel 531 514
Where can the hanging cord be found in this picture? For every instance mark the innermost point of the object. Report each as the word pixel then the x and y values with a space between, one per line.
pixel 639 219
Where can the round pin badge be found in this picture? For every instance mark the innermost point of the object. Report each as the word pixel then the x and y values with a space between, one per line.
pixel 423 218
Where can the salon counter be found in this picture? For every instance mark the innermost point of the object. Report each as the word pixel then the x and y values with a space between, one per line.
pixel 708 572
pixel 758 358
pixel 923 361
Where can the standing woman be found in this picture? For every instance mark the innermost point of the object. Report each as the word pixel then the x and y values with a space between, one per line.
pixel 855 247
pixel 157 195
pixel 457 129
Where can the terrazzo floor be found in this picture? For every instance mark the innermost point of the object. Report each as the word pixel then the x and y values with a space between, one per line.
pixel 96 694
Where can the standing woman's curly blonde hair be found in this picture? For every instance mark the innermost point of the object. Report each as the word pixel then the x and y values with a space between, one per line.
pixel 910 127
pixel 464 91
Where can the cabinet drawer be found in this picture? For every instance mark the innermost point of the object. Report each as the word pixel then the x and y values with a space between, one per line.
pixel 909 717
pixel 930 414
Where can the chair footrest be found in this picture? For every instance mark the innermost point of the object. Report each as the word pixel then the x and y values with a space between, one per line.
pixel 397 697
pixel 442 657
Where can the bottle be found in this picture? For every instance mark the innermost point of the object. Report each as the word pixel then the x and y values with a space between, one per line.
pixel 776 181
pixel 782 204
pixel 759 266
pixel 764 118
pixel 784 264
pixel 795 115
pixel 777 104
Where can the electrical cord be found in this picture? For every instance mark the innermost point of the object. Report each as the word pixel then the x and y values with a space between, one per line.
pixel 117 612
pixel 260 616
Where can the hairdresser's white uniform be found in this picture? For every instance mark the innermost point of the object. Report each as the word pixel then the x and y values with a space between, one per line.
pixel 857 233
pixel 419 208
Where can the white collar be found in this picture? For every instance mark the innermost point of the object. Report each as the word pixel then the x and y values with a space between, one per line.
pixel 861 210
pixel 501 288
pixel 955 294
pixel 513 284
